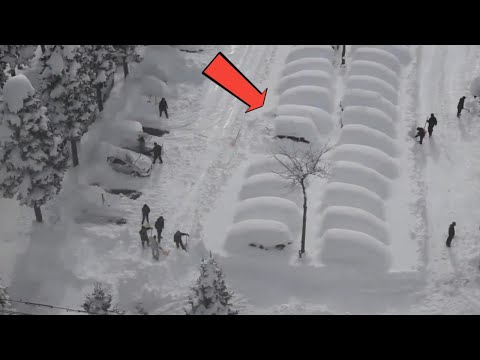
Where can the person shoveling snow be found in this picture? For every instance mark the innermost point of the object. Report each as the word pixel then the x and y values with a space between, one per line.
pixel 177 239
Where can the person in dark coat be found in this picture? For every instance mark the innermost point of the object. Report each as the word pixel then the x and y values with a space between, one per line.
pixel 460 105
pixel 157 153
pixel 159 225
pixel 343 55
pixel 145 212
pixel 177 239
pixel 431 123
pixel 420 133
pixel 451 233
pixel 143 236
pixel 162 107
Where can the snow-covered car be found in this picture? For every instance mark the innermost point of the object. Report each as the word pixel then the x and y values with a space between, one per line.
pixel 140 166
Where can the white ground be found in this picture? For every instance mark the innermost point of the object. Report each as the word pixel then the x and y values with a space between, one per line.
pixel 196 190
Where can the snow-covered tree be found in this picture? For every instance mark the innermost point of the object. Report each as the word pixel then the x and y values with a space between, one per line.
pixel 67 91
pixel 210 294
pixel 99 302
pixel 33 156
pixel 5 303
pixel 16 56
pixel 127 54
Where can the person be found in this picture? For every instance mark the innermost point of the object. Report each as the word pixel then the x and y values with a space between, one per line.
pixel 343 55
pixel 460 106
pixel 155 247
pixel 431 123
pixel 141 143
pixel 420 133
pixel 145 212
pixel 157 153
pixel 162 107
pixel 177 239
pixel 144 236
pixel 451 233
pixel 159 225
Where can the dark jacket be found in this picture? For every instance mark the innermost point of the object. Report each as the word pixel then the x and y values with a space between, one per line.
pixel 461 103
pixel 145 209
pixel 432 122
pixel 157 150
pixel 143 234
pixel 160 223
pixel 421 132
pixel 451 230
pixel 163 104
pixel 178 236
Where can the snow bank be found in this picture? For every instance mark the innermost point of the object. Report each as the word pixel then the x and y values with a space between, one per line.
pixel 321 118
pixel 270 208
pixel 341 194
pixel 356 250
pixel 349 218
pixel 15 91
pixel 365 82
pixel 367 98
pixel 263 165
pixel 363 135
pixel 379 56
pixel 269 185
pixel 297 126
pixel 305 77
pixel 371 117
pixel 267 233
pixel 379 71
pixel 401 52
pixel 308 64
pixel 352 173
pixel 310 51
pixel 308 95
pixel 367 156
pixel 475 87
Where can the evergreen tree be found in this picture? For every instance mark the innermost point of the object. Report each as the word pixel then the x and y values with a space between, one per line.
pixel 127 54
pixel 5 303
pixel 99 302
pixel 32 155
pixel 210 293
pixel 15 56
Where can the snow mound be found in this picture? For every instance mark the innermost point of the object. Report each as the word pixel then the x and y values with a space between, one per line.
pixel 379 56
pixel 305 77
pixel 349 218
pixel 379 71
pixel 264 164
pixel 401 52
pixel 363 135
pixel 269 185
pixel 341 194
pixel 310 51
pixel 308 64
pixel 308 95
pixel 267 233
pixel 15 91
pixel 270 208
pixel 370 117
pixel 297 126
pixel 352 173
pixel 321 118
pixel 355 97
pixel 367 156
pixel 353 249
pixel 475 87
pixel 365 82
pixel 152 86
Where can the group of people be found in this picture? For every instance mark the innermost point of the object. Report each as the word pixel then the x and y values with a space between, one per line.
pixel 432 122
pixel 154 241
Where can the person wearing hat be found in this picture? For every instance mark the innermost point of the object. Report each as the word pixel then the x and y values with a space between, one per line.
pixel 451 233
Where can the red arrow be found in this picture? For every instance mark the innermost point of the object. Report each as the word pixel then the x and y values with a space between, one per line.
pixel 225 74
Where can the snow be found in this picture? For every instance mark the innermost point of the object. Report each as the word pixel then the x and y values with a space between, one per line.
pixel 310 51
pixel 474 87
pixel 270 208
pixel 401 52
pixel 352 173
pixel 308 95
pixel 371 99
pixel 267 233
pixel 321 118
pixel 379 56
pixel 368 136
pixel 367 156
pixel 269 185
pixel 370 117
pixel 357 250
pixel 305 77
pixel 308 64
pixel 15 91
pixel 373 84
pixel 376 70
pixel 297 126
pixel 342 194
pixel 264 164
pixel 349 218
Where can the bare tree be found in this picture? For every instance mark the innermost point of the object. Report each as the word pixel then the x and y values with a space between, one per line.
pixel 297 165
